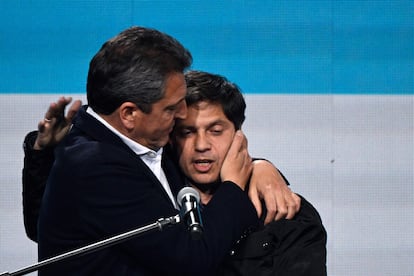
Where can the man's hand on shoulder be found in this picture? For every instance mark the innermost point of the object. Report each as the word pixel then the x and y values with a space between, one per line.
pixel 55 125
pixel 268 184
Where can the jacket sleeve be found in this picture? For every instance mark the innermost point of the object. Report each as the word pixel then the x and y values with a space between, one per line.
pixel 36 167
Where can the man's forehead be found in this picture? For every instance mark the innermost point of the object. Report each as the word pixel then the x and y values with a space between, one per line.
pixel 205 109
pixel 208 112
pixel 175 88
pixel 204 104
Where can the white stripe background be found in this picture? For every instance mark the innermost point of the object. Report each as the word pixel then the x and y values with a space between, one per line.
pixel 352 156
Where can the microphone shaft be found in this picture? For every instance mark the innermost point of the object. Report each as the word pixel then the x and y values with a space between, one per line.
pixel 96 246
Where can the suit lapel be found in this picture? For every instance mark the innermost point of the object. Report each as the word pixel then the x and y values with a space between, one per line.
pixel 97 131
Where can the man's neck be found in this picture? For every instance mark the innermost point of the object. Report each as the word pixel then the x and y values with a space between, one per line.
pixel 206 190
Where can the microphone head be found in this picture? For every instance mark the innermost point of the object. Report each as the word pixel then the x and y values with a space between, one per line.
pixel 188 199
pixel 186 192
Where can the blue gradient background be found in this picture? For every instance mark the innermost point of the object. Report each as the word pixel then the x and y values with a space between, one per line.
pixel 318 47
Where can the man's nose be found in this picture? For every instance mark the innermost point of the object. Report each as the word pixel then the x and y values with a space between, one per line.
pixel 202 142
pixel 181 111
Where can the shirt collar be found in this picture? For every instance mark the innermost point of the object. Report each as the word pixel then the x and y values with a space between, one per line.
pixel 135 147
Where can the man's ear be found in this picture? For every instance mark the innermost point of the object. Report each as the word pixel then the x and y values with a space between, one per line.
pixel 129 113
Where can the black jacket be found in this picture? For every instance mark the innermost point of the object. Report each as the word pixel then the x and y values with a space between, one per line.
pixel 282 248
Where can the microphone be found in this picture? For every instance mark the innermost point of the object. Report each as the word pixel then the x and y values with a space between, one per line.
pixel 188 199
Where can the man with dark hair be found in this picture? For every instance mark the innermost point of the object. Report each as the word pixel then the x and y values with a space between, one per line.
pixel 216 110
pixel 111 174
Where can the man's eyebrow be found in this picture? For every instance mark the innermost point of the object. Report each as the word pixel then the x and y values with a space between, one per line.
pixel 218 122
pixel 179 101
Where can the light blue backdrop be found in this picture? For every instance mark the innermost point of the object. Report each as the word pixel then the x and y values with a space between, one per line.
pixel 329 87
pixel 264 46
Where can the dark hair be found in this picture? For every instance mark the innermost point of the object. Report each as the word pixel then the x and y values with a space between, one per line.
pixel 133 66
pixel 203 86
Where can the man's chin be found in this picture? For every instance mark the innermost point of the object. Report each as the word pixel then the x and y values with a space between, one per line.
pixel 204 181
pixel 157 144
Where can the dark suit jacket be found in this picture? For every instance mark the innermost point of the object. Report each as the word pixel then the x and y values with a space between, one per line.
pixel 282 248
pixel 99 187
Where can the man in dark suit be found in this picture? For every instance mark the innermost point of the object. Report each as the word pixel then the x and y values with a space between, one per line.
pixel 111 175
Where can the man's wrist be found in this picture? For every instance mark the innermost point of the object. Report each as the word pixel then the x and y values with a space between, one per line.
pixel 30 148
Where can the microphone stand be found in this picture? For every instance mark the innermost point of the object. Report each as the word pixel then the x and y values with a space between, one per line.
pixel 159 224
